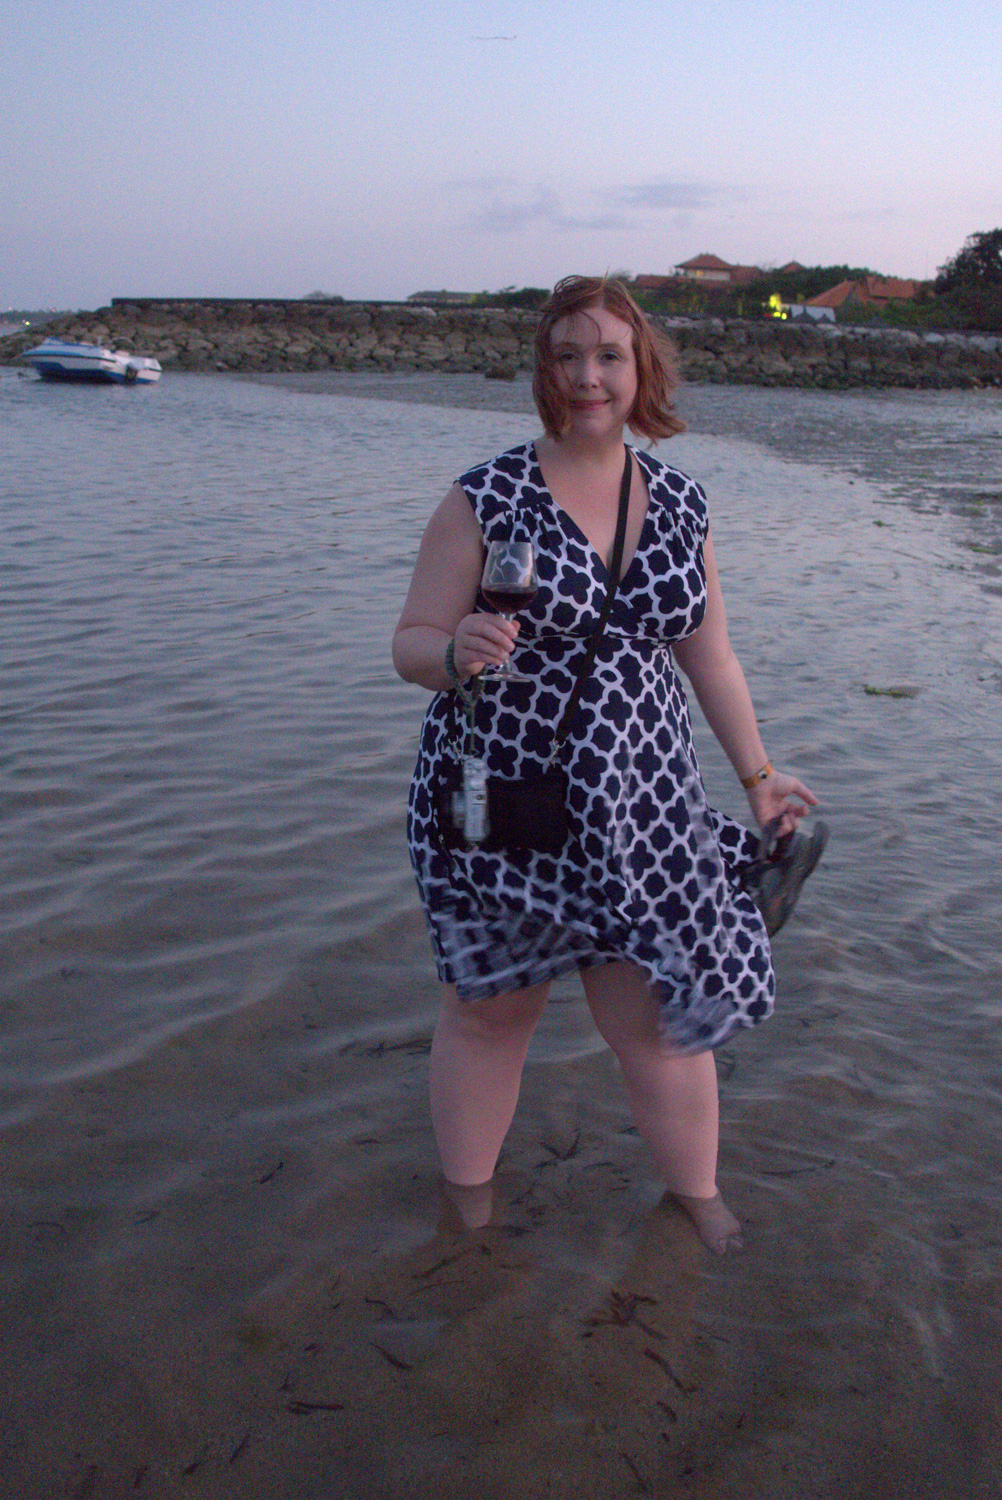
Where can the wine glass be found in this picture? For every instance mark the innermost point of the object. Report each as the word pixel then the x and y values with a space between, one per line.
pixel 509 583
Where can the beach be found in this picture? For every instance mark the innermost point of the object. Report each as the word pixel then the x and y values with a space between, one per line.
pixel 229 1271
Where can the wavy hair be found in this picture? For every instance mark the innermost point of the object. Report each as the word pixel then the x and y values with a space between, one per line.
pixel 653 415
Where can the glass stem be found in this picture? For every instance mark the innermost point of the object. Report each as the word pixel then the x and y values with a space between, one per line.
pixel 505 667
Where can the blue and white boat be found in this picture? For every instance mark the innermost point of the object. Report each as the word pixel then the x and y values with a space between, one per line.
pixel 56 360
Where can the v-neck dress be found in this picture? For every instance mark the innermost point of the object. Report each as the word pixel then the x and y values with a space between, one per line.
pixel 651 873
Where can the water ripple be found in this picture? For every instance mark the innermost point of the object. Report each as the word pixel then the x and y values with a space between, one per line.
pixel 205 749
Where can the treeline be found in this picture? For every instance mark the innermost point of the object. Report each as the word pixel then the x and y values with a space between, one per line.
pixel 513 296
pixel 964 297
pixel 970 283
pixel 33 314
pixel 966 294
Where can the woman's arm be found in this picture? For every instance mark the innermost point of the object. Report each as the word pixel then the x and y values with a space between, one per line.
pixel 441 600
pixel 708 660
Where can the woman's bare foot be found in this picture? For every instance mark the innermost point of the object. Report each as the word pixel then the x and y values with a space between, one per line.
pixel 715 1224
pixel 474 1205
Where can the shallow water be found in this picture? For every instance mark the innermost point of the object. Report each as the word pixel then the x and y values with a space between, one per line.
pixel 205 747
pixel 211 945
pixel 204 740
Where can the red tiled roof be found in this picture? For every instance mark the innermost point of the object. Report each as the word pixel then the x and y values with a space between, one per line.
pixel 834 297
pixel 870 289
pixel 887 288
pixel 705 263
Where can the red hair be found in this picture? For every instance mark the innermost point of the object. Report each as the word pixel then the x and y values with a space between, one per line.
pixel 653 414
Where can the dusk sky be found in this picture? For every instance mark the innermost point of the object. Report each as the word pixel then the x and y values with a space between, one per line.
pixel 234 147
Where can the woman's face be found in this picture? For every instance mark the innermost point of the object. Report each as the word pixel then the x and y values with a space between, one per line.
pixel 596 367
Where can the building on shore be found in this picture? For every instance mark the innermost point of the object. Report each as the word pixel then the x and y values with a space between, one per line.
pixel 711 270
pixel 806 312
pixel 708 271
pixel 870 291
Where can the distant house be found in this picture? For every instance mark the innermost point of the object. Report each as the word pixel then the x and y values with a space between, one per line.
pixel 712 271
pixel 835 297
pixel 870 291
pixel 705 268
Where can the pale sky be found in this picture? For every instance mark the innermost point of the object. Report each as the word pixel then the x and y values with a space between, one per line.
pixel 237 147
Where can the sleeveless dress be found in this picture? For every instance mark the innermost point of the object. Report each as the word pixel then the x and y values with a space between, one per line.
pixel 650 874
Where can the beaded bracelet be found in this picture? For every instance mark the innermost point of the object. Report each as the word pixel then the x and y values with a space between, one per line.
pixel 469 691
pixel 450 661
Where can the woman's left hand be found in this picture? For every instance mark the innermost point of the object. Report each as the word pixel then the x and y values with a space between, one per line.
pixel 784 797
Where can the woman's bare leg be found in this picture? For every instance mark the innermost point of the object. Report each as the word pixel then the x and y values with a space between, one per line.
pixel 477 1055
pixel 673 1096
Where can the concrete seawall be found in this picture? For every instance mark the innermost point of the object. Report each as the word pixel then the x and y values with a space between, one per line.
pixel 251 337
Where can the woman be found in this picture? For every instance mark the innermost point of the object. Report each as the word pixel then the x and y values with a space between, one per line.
pixel 645 899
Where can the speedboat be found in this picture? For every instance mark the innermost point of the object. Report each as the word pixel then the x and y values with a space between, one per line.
pixel 56 360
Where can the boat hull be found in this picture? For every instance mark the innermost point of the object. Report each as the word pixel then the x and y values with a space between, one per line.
pixel 91 363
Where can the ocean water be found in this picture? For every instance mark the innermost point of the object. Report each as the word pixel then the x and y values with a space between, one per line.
pixel 205 749
pixel 216 992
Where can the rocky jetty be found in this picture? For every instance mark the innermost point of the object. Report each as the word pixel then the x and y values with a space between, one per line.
pixel 252 337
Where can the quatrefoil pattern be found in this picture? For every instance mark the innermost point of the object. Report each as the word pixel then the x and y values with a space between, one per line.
pixel 651 873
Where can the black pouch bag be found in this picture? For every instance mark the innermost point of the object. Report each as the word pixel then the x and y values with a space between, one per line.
pixel 530 813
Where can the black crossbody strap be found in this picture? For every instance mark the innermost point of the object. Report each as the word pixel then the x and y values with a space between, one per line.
pixel 588 660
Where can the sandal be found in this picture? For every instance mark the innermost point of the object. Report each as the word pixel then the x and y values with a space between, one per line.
pixel 781 868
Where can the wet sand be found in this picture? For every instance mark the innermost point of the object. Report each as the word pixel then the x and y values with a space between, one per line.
pixel 229 1272
pixel 293 1317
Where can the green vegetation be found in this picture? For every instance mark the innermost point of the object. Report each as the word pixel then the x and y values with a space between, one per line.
pixel 966 295
pixel 695 299
pixel 511 296
pixel 970 284
pixel 811 281
pixel 33 315
pixel 682 298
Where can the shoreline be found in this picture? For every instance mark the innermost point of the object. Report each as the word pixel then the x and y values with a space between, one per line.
pixel 303 338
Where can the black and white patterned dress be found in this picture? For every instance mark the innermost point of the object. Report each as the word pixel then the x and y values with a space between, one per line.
pixel 650 873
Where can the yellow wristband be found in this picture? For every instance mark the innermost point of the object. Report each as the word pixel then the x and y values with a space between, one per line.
pixel 762 774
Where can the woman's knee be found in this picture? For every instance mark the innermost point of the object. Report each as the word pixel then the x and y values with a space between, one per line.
pixel 623 1007
pixel 496 1017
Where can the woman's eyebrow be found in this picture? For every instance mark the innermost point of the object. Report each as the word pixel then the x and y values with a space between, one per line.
pixel 607 344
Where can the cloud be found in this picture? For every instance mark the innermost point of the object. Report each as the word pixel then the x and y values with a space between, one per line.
pixel 666 195
pixel 506 206
pixel 503 214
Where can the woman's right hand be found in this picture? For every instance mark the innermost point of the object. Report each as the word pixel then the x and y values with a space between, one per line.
pixel 481 641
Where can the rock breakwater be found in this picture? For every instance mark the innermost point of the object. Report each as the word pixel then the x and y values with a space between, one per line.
pixel 256 337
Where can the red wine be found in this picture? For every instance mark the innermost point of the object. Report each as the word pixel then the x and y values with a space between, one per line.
pixel 509 599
